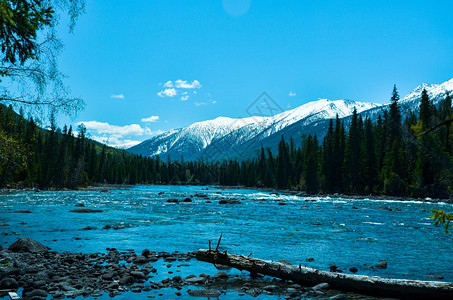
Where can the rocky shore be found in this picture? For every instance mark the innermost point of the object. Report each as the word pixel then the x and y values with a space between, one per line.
pixel 29 268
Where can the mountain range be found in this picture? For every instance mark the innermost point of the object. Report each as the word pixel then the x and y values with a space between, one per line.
pixel 241 138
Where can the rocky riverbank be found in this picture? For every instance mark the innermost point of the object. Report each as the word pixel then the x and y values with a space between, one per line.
pixel 29 268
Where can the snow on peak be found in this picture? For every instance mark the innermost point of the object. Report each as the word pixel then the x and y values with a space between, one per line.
pixel 324 108
pixel 434 90
pixel 204 132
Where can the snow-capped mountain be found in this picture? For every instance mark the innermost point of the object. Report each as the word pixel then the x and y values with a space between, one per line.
pixel 240 138
pixel 205 139
pixel 191 139
pixel 436 92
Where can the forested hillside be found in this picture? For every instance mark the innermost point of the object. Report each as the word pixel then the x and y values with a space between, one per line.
pixel 397 155
pixel 392 156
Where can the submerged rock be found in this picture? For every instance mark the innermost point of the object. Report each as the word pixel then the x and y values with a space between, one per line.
pixel 221 275
pixel 88 228
pixel 211 293
pixel 85 210
pixel 381 264
pixel 28 245
pixel 435 276
pixel 384 208
pixel 229 201
pixel 199 195
pixel 172 200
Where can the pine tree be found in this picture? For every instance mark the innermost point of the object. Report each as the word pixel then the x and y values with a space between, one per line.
pixel 352 155
pixel 445 115
pixel 426 110
pixel 338 152
pixel 328 159
pixel 369 164
pixel 283 165
pixel 311 153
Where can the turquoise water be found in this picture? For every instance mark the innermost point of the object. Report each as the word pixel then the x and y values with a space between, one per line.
pixel 328 229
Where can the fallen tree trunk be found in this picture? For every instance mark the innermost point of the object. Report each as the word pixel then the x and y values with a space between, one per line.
pixel 370 285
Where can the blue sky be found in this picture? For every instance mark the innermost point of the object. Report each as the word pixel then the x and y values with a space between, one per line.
pixel 144 67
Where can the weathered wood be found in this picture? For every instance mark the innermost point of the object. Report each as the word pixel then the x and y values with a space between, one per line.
pixel 370 285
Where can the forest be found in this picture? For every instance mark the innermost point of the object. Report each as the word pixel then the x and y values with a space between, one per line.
pixel 392 156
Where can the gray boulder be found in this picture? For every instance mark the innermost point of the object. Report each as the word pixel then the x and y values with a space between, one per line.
pixel 28 245
pixel 9 284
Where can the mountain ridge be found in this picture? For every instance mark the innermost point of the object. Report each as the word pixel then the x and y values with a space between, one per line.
pixel 239 138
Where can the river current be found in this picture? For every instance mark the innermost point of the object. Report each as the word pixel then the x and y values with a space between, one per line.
pixel 345 232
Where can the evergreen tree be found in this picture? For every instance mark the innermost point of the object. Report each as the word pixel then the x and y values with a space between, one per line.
pixel 369 163
pixel 283 165
pixel 311 153
pixel 352 155
pixel 426 110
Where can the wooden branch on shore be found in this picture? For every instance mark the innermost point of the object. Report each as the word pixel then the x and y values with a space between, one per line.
pixel 370 285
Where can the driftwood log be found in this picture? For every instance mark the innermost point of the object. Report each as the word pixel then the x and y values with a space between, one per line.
pixel 369 285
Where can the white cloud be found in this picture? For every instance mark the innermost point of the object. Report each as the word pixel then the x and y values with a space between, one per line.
pixel 151 119
pixel 178 87
pixel 183 84
pixel 170 92
pixel 292 94
pixel 116 142
pixel 168 84
pixel 106 128
pixel 118 136
pixel 117 96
